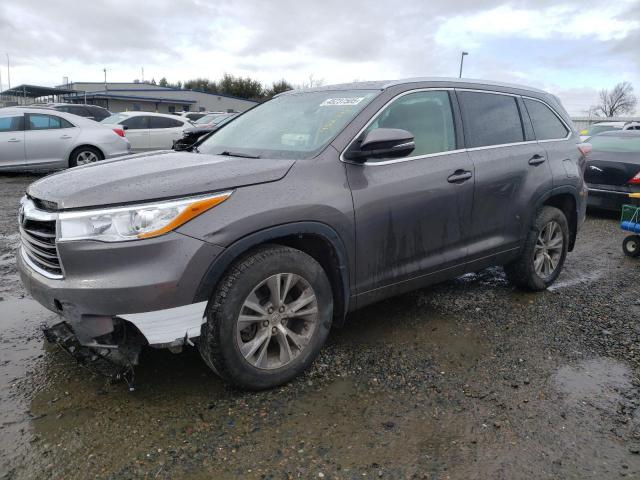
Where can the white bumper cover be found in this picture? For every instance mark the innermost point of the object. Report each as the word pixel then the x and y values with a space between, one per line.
pixel 173 326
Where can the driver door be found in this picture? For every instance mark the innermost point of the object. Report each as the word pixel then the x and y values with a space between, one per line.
pixel 412 214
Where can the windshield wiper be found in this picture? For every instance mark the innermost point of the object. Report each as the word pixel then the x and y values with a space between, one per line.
pixel 238 154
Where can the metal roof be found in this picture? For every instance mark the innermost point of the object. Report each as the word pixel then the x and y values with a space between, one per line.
pixel 35 91
pixel 107 95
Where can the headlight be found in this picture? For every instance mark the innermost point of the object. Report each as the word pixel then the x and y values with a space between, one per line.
pixel 136 221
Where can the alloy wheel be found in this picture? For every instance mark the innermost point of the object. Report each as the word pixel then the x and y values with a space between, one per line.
pixel 85 157
pixel 548 250
pixel 276 321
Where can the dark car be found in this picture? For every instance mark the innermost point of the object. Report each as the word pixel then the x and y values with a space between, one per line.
pixel 613 169
pixel 202 127
pixel 299 211
pixel 93 112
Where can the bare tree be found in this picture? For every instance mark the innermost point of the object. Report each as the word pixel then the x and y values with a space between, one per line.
pixel 312 82
pixel 618 101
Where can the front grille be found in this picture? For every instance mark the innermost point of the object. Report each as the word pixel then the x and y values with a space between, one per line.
pixel 38 240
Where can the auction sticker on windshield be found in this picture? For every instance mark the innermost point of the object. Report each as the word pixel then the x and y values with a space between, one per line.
pixel 341 101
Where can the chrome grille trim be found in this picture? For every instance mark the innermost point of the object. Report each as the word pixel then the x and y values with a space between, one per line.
pixel 38 240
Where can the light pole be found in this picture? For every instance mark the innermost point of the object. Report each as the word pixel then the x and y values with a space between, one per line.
pixel 8 73
pixel 105 79
pixel 462 62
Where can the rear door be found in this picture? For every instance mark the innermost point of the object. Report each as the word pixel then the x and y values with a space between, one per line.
pixel 137 132
pixel 48 140
pixel 510 168
pixel 163 132
pixel 12 140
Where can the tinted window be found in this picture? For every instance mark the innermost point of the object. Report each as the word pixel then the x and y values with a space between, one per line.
pixel 490 119
pixel 546 124
pixel 427 115
pixel 11 124
pixel 79 111
pixel 136 123
pixel 47 122
pixel 614 143
pixel 164 122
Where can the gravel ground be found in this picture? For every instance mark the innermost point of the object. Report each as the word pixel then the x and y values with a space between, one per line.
pixel 470 379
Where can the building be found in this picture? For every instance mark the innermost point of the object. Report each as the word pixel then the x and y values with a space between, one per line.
pixel 122 97
pixel 583 123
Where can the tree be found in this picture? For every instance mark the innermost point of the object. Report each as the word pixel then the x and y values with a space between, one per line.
pixel 277 87
pixel 618 101
pixel 312 82
pixel 163 82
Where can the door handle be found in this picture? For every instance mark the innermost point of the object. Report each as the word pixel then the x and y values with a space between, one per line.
pixel 537 159
pixel 459 176
pixel 15 140
pixel 65 137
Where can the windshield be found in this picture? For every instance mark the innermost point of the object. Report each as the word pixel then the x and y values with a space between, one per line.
pixel 295 125
pixel 596 129
pixel 616 143
pixel 116 118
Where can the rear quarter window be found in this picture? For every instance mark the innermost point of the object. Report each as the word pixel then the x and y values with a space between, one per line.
pixel 546 124
pixel 490 119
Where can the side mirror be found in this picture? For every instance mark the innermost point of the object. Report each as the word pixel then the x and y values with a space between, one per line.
pixel 384 143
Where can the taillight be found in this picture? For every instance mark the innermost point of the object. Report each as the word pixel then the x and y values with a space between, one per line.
pixel 584 148
pixel 119 132
pixel 635 180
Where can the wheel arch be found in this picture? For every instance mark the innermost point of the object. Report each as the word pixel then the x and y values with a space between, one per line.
pixel 83 145
pixel 566 200
pixel 318 240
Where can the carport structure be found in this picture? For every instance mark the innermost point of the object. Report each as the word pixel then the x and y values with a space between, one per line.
pixel 30 94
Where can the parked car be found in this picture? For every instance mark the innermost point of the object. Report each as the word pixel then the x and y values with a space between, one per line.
pixel 191 116
pixel 613 168
pixel 304 208
pixel 92 112
pixel 149 131
pixel 202 127
pixel 601 127
pixel 44 139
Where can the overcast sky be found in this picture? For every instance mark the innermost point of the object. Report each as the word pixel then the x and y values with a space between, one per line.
pixel 571 48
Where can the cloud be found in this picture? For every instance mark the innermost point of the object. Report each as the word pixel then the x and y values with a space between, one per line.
pixel 569 45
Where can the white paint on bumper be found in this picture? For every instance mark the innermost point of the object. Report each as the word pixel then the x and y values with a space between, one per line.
pixel 170 326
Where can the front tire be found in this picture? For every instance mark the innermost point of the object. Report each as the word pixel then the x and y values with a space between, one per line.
pixel 84 156
pixel 268 318
pixel 543 253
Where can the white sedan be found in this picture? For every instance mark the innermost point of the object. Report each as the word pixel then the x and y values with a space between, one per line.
pixel 46 139
pixel 149 131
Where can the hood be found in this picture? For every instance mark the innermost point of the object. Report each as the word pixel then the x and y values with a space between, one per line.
pixel 153 176
pixel 200 128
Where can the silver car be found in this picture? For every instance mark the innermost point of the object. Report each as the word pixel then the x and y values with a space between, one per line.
pixel 45 139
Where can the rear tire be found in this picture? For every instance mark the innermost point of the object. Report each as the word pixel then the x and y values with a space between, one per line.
pixel 631 246
pixel 268 318
pixel 543 253
pixel 84 155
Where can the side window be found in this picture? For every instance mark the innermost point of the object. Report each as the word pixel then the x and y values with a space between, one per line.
pixel 490 119
pixel 427 115
pixel 47 122
pixel 139 122
pixel 164 122
pixel 11 124
pixel 546 124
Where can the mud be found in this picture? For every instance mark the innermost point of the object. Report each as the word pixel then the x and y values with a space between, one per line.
pixel 470 379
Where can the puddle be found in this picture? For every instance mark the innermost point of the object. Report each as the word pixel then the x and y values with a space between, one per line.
pixel 21 347
pixel 599 382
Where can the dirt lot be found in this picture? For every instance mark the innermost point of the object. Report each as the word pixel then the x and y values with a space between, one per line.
pixel 467 380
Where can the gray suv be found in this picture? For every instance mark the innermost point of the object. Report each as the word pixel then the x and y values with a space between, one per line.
pixel 304 208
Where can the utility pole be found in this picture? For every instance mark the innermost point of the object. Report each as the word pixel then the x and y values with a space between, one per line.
pixel 142 74
pixel 8 73
pixel 462 62
pixel 105 79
